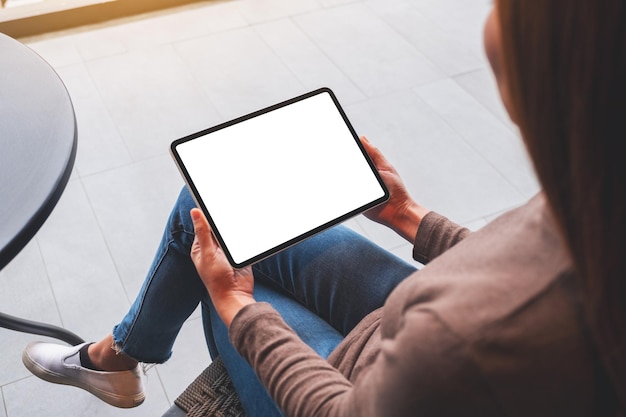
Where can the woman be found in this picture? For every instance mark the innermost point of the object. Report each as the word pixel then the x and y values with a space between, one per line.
pixel 524 317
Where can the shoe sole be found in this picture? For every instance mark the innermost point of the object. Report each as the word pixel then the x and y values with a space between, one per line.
pixel 110 398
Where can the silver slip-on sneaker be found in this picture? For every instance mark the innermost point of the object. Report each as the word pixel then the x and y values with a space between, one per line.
pixel 61 365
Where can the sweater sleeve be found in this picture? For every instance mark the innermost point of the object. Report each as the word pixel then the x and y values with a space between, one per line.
pixel 407 379
pixel 435 235
pixel 301 382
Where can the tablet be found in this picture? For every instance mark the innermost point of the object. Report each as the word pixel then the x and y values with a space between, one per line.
pixel 275 177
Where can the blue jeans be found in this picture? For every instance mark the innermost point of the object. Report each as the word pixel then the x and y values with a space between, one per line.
pixel 322 287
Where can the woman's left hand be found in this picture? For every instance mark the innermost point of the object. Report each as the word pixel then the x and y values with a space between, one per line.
pixel 230 289
pixel 401 213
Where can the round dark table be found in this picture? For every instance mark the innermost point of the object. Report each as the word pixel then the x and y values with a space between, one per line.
pixel 37 150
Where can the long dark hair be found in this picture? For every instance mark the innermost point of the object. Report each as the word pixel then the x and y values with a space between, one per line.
pixel 565 62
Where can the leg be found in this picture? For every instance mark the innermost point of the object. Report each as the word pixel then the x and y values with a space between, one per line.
pixel 337 275
pixel 169 295
pixel 315 332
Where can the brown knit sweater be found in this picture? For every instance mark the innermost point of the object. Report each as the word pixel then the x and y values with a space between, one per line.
pixel 491 326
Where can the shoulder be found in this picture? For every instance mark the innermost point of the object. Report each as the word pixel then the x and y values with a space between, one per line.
pixel 498 311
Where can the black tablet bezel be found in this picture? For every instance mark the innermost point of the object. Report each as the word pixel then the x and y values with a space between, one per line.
pixel 198 199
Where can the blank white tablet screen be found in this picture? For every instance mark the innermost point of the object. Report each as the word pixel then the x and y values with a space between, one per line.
pixel 274 177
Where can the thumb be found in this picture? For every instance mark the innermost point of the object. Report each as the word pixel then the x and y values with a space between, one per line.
pixel 201 228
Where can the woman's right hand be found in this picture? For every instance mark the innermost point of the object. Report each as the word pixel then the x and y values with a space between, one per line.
pixel 230 289
pixel 400 213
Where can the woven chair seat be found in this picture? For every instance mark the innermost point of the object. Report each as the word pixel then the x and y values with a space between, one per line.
pixel 211 394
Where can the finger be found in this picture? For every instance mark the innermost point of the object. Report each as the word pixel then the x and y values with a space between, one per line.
pixel 371 149
pixel 378 158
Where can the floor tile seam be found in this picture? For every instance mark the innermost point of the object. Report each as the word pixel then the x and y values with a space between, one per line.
pixel 390 27
pixel 188 72
pixel 108 113
pixel 285 16
pixel 194 77
pixel 492 216
pixel 129 49
pixel 479 67
pixel 400 245
pixel 132 158
pixel 204 88
pixel 469 143
pixel 434 23
pixel 391 91
pixel 133 161
pixel 176 42
pixel 15 381
pixel 3 393
pixel 4 402
pixel 106 243
pixel 162 385
pixel 82 59
pixel 95 59
pixel 161 377
pixel 282 60
pixel 210 34
pixel 50 283
pixel 193 74
pixel 99 98
pixel 489 217
pixel 468 72
pixel 360 220
pixel 186 65
pixel 325 54
pixel 368 235
pixel 406 39
pixel 496 115
pixel 118 21
pixel 520 192
pixel 253 26
pixel 339 4
pixel 249 24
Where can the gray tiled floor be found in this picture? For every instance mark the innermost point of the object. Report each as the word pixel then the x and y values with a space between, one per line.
pixel 410 73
